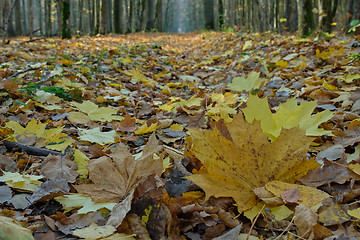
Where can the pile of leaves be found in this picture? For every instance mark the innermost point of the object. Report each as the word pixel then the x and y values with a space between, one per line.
pixel 188 136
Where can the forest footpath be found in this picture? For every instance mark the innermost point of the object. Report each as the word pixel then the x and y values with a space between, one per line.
pixel 180 136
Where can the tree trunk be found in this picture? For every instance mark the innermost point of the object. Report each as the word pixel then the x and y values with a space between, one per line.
pixel 81 16
pixel 300 7
pixel 209 14
pixel 48 30
pixel 97 8
pixel 18 18
pixel 59 14
pixel 327 11
pixel 305 17
pixel 8 8
pixel 132 15
pixel 160 15
pixel 41 21
pixel 65 29
pixel 117 15
pixel 226 15
pixel 31 20
pixel 123 16
pixel 151 15
pixel 144 5
pixel 103 21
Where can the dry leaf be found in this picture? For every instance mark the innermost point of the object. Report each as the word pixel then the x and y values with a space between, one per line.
pixel 235 168
pixel 114 176
pixel 304 221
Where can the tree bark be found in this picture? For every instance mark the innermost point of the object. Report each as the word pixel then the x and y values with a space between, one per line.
pixel 18 18
pixel 59 14
pixel 31 20
pixel 48 28
pixel 327 11
pixel 151 15
pixel 81 16
pixel 305 17
pixel 7 9
pixel 65 29
pixel 123 16
pixel 97 8
pixel 103 21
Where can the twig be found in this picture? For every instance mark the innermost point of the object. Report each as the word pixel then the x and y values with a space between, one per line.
pixel 253 224
pixel 24 71
pixel 28 149
pixel 286 229
pixel 33 40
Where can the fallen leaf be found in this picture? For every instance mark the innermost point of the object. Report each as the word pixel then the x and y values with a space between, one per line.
pixel 55 167
pixel 289 115
pixel 5 194
pixel 291 196
pixel 97 136
pixel 115 175
pixel 305 220
pixel 95 113
pixel 21 181
pixel 333 215
pixel 235 168
pixel 83 202
pixel 9 229
pixel 94 231
pixel 310 196
pixel 253 81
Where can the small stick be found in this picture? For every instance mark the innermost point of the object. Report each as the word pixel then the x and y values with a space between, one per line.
pixel 29 149
pixel 253 224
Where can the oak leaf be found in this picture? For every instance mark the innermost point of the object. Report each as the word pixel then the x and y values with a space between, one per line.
pixel 234 168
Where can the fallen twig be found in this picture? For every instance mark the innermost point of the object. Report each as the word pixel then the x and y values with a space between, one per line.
pixel 253 224
pixel 28 149
pixel 24 71
pixel 32 40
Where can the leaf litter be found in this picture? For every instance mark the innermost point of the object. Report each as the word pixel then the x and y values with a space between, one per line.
pixel 192 136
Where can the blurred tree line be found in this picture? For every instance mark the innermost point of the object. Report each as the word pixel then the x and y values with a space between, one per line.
pixel 91 17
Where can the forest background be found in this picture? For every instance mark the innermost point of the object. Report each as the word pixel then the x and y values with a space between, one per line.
pixel 91 17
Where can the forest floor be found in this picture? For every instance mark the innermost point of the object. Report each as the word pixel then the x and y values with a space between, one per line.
pixel 180 136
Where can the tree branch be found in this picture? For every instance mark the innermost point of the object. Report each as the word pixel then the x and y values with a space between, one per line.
pixel 28 149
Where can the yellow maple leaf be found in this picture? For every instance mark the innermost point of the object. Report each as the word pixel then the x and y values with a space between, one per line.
pixel 146 129
pixel 54 138
pixel 253 81
pixel 288 115
pixel 233 168
pixel 282 63
pixel 95 113
pixel 220 111
pixel 81 160
pixel 21 181
pixel 138 77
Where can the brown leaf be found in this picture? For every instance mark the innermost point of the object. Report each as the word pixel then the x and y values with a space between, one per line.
pixel 59 167
pixel 126 125
pixel 291 196
pixel 114 176
pixel 304 221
